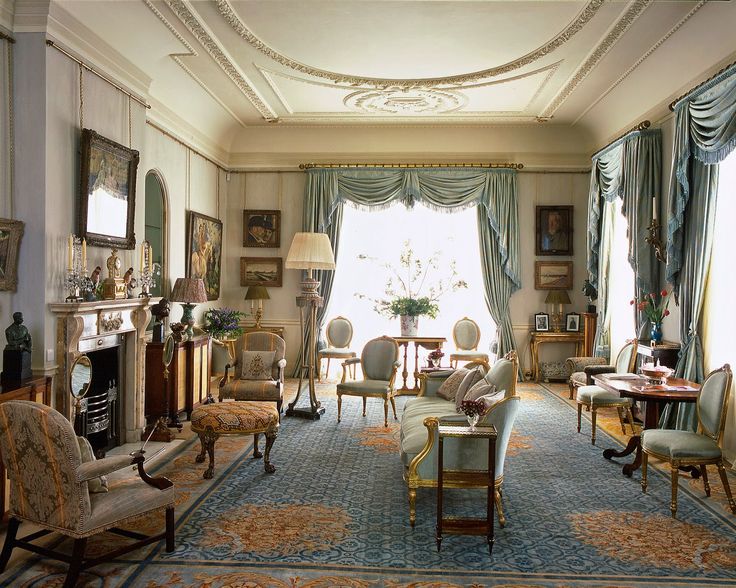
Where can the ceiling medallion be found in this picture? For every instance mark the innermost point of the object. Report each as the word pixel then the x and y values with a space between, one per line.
pixel 405 102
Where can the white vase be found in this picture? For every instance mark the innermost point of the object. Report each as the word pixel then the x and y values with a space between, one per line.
pixel 409 325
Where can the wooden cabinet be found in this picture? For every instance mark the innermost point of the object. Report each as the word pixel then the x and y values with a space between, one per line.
pixel 37 390
pixel 665 352
pixel 188 379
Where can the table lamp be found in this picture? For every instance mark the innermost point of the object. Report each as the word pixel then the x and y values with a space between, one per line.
pixel 309 251
pixel 188 291
pixel 257 293
pixel 557 298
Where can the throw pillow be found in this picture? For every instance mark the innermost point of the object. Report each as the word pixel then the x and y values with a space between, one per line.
pixel 494 398
pixel 95 485
pixel 448 389
pixel 257 365
pixel 481 388
pixel 471 379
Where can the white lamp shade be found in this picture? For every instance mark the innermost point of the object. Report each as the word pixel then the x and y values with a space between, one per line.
pixel 310 251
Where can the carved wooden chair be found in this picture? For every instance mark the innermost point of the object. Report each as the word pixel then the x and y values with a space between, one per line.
pixel 339 333
pixel 466 335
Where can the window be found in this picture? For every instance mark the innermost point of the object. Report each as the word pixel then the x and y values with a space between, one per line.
pixel 381 234
pixel 155 225
pixel 621 283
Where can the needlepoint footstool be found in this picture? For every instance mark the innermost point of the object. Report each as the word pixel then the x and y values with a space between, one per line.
pixel 210 421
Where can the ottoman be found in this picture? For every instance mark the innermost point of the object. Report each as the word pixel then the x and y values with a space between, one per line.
pixel 235 418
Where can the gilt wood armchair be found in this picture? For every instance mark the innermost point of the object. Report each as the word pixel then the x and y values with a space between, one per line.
pixel 339 333
pixel 466 335
pixel 49 487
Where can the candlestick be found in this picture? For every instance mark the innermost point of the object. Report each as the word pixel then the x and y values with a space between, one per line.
pixel 84 257
pixel 654 208
pixel 143 256
pixel 70 265
pixel 150 257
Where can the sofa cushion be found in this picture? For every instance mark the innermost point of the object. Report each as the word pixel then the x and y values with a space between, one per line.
pixel 257 365
pixel 413 431
pixel 448 389
pixel 479 389
pixel 471 378
pixel 364 387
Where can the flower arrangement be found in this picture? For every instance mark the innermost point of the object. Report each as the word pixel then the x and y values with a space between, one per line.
pixel 406 284
pixel 223 323
pixel 436 354
pixel 473 408
pixel 654 310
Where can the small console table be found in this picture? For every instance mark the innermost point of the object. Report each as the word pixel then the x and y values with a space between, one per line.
pixel 427 343
pixel 466 479
pixel 539 337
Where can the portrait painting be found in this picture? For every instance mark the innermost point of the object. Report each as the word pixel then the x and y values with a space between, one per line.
pixel 261 271
pixel 204 252
pixel 261 228
pixel 554 230
pixel 11 232
pixel 572 322
pixel 553 275
pixel 107 192
pixel 541 321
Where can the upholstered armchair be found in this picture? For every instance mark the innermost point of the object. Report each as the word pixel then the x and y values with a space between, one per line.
pixel 339 333
pixel 258 369
pixel 378 363
pixel 419 441
pixel 594 397
pixel 51 487
pixel 701 448
pixel 466 335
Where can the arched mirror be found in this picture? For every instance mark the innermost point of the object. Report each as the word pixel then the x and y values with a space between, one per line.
pixel 155 220
pixel 80 377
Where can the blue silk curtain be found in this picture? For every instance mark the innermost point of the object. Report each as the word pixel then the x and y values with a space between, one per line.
pixel 493 191
pixel 705 134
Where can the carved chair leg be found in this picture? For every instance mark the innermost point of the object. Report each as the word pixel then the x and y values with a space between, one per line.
pixel 620 412
pixel 270 438
pixel 580 414
pixel 365 401
pixel 572 390
pixel 499 509
pixel 80 546
pixel 593 415
pixel 706 485
pixel 203 451
pixel 256 451
pixel 412 506
pixel 339 406
pixel 10 535
pixel 675 475
pixel 644 462
pixel 385 412
pixel 726 487
pixel 210 439
pixel 393 405
pixel 170 529
pixel 327 371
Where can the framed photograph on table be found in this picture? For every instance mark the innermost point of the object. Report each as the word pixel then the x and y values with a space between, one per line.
pixel 261 228
pixel 261 271
pixel 541 321
pixel 204 252
pixel 11 232
pixel 552 275
pixel 572 322
pixel 554 230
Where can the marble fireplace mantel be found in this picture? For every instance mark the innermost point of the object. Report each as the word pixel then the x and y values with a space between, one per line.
pixel 83 327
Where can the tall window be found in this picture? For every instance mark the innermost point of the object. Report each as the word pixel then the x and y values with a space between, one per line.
pixel 622 284
pixel 381 235
pixel 155 225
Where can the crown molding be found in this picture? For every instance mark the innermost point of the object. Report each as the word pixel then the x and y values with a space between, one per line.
pixel 7 14
pixel 31 16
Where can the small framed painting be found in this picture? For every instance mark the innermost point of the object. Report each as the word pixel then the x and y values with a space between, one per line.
pixel 261 271
pixel 11 232
pixel 572 322
pixel 554 230
pixel 552 275
pixel 261 228
pixel 541 321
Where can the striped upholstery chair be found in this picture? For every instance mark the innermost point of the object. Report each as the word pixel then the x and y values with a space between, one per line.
pixel 466 335
pixel 242 389
pixel 49 488
pixel 339 333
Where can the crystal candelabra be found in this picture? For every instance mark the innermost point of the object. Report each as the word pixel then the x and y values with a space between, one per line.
pixel 148 269
pixel 75 273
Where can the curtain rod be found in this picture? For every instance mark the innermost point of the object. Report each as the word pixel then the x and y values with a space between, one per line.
pixel 90 69
pixel 700 85
pixel 7 38
pixel 645 124
pixel 411 165
pixel 189 147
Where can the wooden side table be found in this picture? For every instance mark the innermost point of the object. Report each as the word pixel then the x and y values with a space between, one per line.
pixel 466 479
pixel 426 343
pixel 539 337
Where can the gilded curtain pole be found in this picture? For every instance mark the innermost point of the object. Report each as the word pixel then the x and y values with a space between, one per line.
pixel 411 165
pixel 643 125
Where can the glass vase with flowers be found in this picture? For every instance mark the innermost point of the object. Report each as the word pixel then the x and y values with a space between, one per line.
pixel 473 409
pixel 655 307
pixel 434 357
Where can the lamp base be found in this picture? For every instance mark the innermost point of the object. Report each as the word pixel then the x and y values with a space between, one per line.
pixel 306 413
pixel 187 318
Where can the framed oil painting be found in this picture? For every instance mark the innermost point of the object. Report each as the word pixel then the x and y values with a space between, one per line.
pixel 11 232
pixel 204 252
pixel 261 228
pixel 106 192
pixel 554 230
pixel 553 275
pixel 261 271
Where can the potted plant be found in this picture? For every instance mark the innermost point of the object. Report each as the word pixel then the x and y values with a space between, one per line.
pixel 223 323
pixel 405 286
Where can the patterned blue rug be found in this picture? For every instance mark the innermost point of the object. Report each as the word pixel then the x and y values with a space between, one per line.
pixel 335 513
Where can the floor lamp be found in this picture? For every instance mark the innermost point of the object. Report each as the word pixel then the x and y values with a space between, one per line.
pixel 309 251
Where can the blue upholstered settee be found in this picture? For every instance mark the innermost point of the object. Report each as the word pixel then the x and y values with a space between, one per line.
pixel 419 432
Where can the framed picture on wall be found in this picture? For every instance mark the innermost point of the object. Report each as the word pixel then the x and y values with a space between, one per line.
pixel 553 275
pixel 572 322
pixel 261 271
pixel 11 232
pixel 541 321
pixel 554 230
pixel 261 228
pixel 204 252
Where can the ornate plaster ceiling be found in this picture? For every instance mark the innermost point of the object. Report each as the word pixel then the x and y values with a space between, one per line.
pixel 336 61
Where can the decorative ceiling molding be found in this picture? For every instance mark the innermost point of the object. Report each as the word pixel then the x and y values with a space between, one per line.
pixel 185 15
pixel 405 101
pixel 641 60
pixel 230 16
pixel 622 25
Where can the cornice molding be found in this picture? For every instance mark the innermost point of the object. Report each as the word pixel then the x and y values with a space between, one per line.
pixel 622 25
pixel 7 14
pixel 228 13
pixel 31 16
pixel 197 28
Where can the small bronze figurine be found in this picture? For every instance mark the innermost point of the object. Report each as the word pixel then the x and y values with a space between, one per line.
pixel 160 311
pixel 17 353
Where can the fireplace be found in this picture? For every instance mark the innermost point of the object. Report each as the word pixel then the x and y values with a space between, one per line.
pixel 112 334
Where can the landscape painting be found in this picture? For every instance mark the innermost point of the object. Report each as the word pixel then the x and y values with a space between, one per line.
pixel 261 271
